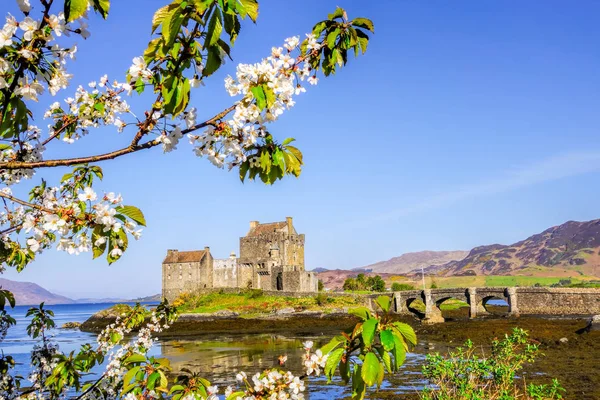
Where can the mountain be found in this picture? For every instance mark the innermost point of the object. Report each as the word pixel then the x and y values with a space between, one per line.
pixel 91 300
pixel 570 249
pixel 27 293
pixel 334 278
pixel 410 261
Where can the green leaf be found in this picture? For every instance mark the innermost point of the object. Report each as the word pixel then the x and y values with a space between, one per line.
pixel 297 153
pixel 213 61
pixel 332 362
pixel 331 38
pixel 368 333
pixel 75 9
pixel 265 161
pixel 338 13
pixel 127 384
pixel 259 95
pixel 132 212
pixel 270 96
pixel 244 169
pixel 333 343
pixel 384 303
pixel 250 8
pixel 135 358
pixel 171 25
pixel 102 6
pixel 278 160
pixel 345 370
pixel 362 312
pixel 363 23
pixel 97 234
pixel 236 395
pixel 406 331
pixel 370 369
pixel 358 384
pixel 387 339
pixel 160 15
pixel 287 141
pixel 387 360
pixel 363 40
pixel 214 30
pixel 399 352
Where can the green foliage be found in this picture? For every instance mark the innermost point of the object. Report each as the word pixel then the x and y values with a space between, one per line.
pixel 361 283
pixel 398 287
pixel 339 36
pixel 465 375
pixel 375 345
pixel 321 286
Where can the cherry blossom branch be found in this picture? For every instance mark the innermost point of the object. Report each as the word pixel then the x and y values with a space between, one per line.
pixel 26 204
pixel 18 74
pixel 59 131
pixel 107 156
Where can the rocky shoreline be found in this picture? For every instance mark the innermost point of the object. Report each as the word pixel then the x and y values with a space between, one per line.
pixel 228 322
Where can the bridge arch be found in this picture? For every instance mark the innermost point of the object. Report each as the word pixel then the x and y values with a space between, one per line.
pixel 501 308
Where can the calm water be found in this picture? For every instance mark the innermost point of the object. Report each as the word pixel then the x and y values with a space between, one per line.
pixel 219 358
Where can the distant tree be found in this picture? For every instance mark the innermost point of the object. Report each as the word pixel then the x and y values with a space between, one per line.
pixel 377 284
pixel 350 284
pixel 321 286
pixel 360 279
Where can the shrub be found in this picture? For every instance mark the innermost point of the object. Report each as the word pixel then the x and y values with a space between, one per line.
pixel 254 293
pixel 398 287
pixel 321 299
pixel 464 375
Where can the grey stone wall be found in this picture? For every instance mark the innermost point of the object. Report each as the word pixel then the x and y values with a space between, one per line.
pixel 225 272
pixel 558 301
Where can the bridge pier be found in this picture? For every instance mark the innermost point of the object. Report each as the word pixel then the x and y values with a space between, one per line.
pixel 399 304
pixel 432 313
pixel 475 307
pixel 513 309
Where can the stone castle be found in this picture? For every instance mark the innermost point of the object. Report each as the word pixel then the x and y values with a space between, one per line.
pixel 271 258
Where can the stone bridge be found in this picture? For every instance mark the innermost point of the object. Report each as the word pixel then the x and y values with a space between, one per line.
pixel 521 301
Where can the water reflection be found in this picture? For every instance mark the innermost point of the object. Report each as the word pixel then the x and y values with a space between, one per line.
pixel 220 358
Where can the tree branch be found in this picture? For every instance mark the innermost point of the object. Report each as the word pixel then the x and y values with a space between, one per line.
pixel 10 165
pixel 26 204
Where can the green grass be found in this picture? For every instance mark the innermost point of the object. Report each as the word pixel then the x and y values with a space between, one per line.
pixel 256 303
pixel 520 280
pixel 492 281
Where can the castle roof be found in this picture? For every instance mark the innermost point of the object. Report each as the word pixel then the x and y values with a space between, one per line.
pixel 174 257
pixel 261 229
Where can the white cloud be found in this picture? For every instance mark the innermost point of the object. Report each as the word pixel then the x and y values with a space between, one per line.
pixel 549 169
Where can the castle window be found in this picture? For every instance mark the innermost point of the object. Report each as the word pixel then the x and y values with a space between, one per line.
pixel 168 276
pixel 180 276
pixel 180 267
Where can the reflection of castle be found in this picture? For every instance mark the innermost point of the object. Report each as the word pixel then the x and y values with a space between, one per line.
pixel 271 258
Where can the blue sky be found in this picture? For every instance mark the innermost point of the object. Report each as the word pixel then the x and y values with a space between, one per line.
pixel 466 123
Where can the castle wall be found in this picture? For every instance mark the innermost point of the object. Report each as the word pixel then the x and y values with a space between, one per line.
pixel 179 278
pixel 299 281
pixel 225 273
pixel 293 251
pixel 246 276
pixel 291 248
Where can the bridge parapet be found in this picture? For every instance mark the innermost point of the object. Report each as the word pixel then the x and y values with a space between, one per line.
pixel 544 301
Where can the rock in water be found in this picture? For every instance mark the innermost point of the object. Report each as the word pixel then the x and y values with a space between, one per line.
pixel 71 325
pixel 593 325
